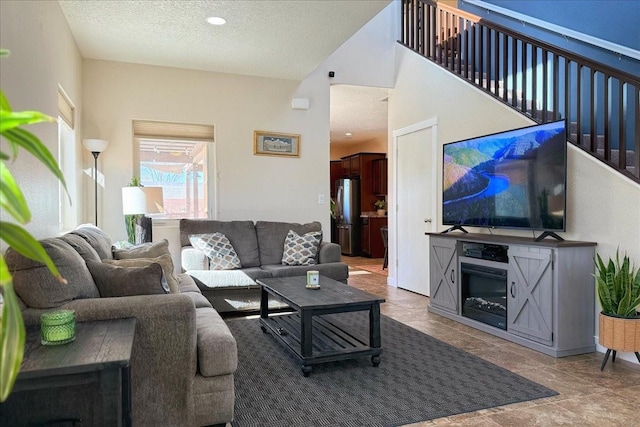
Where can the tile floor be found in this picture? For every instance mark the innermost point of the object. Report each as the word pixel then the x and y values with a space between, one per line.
pixel 588 397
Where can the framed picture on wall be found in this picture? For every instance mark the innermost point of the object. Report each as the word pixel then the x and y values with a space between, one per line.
pixel 276 144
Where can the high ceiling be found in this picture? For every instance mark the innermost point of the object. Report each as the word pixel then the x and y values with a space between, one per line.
pixel 278 39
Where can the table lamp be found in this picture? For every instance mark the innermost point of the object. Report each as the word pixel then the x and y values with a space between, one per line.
pixel 136 202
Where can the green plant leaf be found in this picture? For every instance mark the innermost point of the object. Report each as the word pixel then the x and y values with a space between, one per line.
pixel 11 198
pixel 32 144
pixel 24 243
pixel 12 334
pixel 13 119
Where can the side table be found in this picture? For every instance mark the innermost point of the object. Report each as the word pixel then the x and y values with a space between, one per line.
pixel 101 351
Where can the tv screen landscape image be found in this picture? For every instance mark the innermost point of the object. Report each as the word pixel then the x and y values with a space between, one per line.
pixel 512 179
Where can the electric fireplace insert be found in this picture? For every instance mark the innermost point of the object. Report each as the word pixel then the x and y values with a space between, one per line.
pixel 484 294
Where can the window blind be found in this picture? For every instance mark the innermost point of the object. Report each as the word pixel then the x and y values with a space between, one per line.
pixel 173 131
pixel 66 109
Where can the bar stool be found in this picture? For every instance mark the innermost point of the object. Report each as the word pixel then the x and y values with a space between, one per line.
pixel 385 231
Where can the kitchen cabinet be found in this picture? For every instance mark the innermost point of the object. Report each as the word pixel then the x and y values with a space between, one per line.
pixel 335 173
pixel 379 170
pixel 371 237
pixel 360 166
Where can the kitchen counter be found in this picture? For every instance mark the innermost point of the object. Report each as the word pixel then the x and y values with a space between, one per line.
pixel 372 214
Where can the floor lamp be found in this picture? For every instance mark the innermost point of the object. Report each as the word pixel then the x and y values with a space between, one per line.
pixel 96 146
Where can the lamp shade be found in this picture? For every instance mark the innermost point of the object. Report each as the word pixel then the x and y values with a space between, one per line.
pixel 95 145
pixel 142 200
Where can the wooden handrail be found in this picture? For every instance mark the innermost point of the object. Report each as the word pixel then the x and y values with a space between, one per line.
pixel 544 82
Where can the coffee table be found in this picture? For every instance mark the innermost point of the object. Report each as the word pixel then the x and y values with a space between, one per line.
pixel 311 335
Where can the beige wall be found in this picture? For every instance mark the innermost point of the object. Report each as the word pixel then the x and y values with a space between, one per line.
pixel 248 186
pixel 602 207
pixel 43 55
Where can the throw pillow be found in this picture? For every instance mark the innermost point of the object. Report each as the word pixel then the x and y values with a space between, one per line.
pixel 114 281
pixel 145 250
pixel 165 262
pixel 301 250
pixel 218 249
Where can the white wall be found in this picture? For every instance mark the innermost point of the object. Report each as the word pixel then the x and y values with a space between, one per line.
pixel 43 55
pixel 602 207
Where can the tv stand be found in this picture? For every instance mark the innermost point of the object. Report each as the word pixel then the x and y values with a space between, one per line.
pixel 454 228
pixel 550 302
pixel 548 234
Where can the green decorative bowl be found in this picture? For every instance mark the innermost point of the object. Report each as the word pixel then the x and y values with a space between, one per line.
pixel 57 327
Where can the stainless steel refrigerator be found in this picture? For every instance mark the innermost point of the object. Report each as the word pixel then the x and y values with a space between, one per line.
pixel 348 215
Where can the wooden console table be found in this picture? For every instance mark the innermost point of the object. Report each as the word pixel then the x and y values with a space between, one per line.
pixel 101 351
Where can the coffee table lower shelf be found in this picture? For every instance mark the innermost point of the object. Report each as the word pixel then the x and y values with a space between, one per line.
pixel 331 341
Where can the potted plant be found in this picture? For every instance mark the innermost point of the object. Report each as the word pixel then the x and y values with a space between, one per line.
pixel 13 202
pixel 618 288
pixel 381 206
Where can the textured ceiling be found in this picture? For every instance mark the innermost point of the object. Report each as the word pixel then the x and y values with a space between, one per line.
pixel 359 110
pixel 280 39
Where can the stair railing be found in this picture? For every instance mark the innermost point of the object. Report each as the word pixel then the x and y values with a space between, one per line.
pixel 600 103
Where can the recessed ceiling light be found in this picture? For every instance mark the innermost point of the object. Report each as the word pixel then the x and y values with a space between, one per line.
pixel 348 134
pixel 216 20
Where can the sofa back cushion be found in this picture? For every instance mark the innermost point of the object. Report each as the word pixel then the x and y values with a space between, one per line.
pixel 241 235
pixel 81 246
pixel 98 239
pixel 271 237
pixel 36 286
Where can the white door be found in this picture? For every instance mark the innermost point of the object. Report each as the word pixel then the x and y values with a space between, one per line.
pixel 415 197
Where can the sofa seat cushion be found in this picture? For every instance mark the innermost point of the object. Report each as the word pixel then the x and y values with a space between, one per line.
pixel 241 235
pixel 256 273
pixel 335 270
pixel 272 235
pixel 199 300
pixel 222 278
pixel 115 281
pixel 186 283
pixel 217 350
pixel 38 288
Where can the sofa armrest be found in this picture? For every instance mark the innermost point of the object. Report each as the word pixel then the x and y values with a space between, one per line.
pixel 193 259
pixel 329 252
pixel 163 362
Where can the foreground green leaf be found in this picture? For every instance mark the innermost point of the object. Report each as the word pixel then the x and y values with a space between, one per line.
pixel 24 243
pixel 11 198
pixel 12 334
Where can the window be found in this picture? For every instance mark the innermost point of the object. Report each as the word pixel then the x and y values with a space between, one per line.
pixel 67 158
pixel 174 156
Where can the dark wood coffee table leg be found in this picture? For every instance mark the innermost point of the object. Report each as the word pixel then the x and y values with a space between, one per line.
pixel 374 331
pixel 306 339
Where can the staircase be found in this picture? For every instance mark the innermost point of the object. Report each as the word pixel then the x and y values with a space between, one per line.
pixel 601 104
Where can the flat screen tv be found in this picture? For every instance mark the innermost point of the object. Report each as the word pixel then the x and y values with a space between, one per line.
pixel 512 179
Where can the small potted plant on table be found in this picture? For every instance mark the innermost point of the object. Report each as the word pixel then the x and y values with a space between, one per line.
pixel 381 206
pixel 618 287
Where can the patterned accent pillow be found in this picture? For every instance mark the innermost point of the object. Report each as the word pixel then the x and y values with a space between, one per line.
pixel 301 250
pixel 218 249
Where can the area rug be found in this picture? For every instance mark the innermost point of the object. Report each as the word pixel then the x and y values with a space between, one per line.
pixel 373 268
pixel 419 378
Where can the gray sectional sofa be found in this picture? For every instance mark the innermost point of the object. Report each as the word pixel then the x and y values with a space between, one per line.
pixel 259 247
pixel 184 356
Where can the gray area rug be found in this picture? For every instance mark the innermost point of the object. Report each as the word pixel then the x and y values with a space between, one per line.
pixel 419 378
